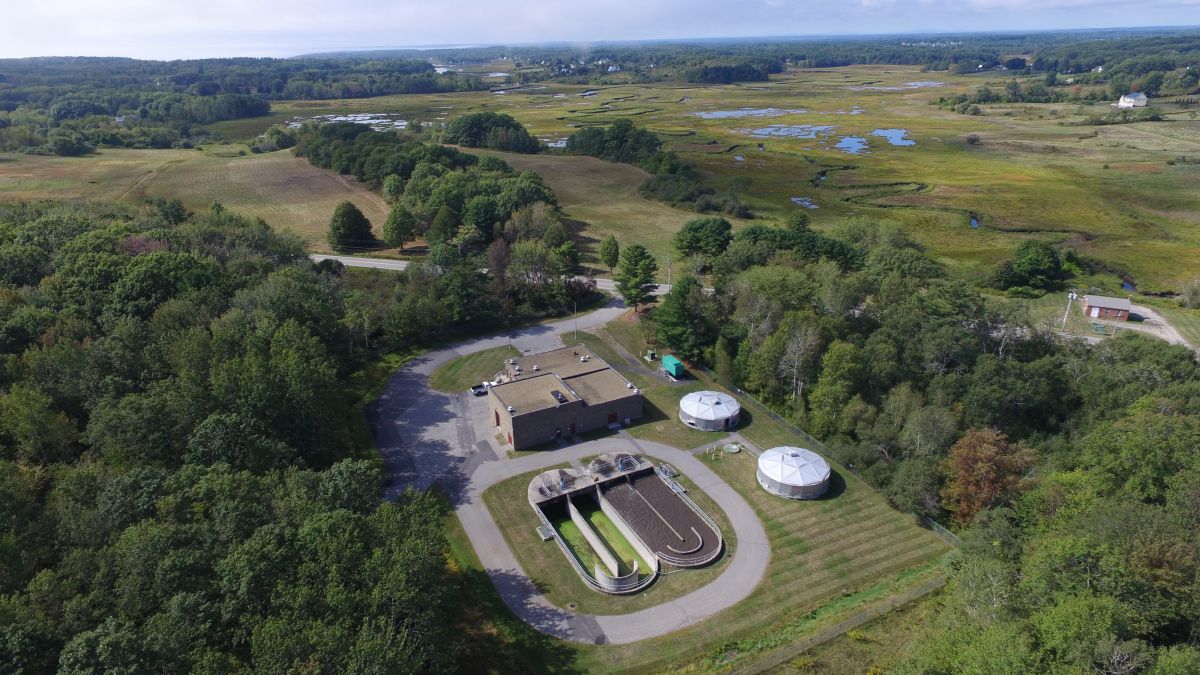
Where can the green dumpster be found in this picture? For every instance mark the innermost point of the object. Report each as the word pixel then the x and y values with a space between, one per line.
pixel 673 366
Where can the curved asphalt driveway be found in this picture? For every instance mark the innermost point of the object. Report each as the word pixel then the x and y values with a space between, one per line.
pixel 428 437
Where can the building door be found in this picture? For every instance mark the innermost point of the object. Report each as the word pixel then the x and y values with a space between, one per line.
pixel 1095 312
pixel 510 439
pixel 496 414
pixel 558 432
pixel 572 428
pixel 612 417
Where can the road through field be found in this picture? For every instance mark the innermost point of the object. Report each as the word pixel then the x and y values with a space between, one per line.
pixel 607 285
pixel 427 437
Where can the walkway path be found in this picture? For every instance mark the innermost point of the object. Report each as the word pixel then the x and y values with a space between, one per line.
pixel 427 436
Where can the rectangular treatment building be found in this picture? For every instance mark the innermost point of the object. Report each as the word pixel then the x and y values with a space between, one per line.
pixel 559 393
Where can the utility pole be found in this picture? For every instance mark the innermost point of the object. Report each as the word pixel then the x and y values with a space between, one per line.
pixel 1070 297
pixel 575 313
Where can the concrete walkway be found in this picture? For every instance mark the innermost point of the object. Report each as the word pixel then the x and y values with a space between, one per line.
pixel 428 437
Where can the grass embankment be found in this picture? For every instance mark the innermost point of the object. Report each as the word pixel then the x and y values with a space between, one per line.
pixel 875 647
pixel 469 370
pixel 1186 321
pixel 544 563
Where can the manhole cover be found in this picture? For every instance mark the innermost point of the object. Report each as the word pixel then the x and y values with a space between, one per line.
pixel 571 606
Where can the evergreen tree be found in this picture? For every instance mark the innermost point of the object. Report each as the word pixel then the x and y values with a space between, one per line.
pixel 635 275
pixel 444 227
pixel 349 228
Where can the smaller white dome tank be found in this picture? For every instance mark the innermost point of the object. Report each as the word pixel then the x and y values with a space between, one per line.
pixel 709 411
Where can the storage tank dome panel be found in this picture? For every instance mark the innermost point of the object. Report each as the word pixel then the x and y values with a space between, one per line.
pixel 709 410
pixel 796 473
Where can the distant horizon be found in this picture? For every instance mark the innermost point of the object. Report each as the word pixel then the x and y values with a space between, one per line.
pixel 141 29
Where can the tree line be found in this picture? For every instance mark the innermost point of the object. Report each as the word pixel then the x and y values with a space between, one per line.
pixel 70 106
pixel 1071 471
pixel 672 180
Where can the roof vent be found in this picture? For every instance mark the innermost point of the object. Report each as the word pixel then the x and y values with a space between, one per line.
pixel 629 385
pixel 583 359
pixel 637 391
pixel 510 408
pixel 536 368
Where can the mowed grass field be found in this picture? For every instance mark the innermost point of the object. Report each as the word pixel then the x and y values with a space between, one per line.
pixel 286 191
pixel 465 371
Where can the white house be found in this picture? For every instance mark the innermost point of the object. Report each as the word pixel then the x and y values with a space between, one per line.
pixel 1134 100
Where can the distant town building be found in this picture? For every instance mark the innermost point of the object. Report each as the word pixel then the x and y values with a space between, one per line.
pixel 1133 100
pixel 1102 307
pixel 560 393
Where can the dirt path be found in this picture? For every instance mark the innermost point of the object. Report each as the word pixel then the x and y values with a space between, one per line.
pixel 138 189
pixel 1157 325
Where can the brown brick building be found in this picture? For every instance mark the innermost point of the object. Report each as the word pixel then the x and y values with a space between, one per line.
pixel 559 393
pixel 1101 307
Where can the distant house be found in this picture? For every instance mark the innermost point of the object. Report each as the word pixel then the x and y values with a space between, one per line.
pixel 1134 100
pixel 1101 307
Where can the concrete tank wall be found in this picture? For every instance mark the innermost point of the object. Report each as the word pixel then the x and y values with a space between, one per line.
pixel 593 539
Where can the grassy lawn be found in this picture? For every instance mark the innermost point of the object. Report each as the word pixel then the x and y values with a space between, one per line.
pixel 830 558
pixel 1186 321
pixel 465 371
pixel 544 563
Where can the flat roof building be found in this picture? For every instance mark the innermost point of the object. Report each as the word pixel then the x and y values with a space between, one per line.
pixel 559 393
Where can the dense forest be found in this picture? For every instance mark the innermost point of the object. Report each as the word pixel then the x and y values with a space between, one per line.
pixel 1072 470
pixel 69 106
pixel 185 483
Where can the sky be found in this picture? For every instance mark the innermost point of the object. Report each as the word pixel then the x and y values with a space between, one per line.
pixel 174 29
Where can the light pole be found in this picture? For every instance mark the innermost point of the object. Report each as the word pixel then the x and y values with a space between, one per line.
pixel 1070 298
pixel 575 315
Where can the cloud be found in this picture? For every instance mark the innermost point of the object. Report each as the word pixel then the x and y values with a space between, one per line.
pixel 177 29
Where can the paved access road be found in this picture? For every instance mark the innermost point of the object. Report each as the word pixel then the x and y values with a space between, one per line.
pixel 427 436
pixel 397 265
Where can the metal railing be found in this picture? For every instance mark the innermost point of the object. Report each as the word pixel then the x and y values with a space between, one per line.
pixel 587 578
